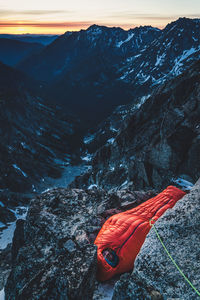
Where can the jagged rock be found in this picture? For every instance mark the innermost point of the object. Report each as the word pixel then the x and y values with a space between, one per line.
pixel 5 265
pixel 70 246
pixel 134 288
pixel 159 141
pixel 6 215
pixel 50 263
pixel 18 239
pixel 53 252
pixel 179 229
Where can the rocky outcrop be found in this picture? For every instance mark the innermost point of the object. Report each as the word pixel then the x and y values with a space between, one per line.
pixel 179 229
pixel 53 255
pixel 131 287
pixel 6 216
pixel 159 141
pixel 5 265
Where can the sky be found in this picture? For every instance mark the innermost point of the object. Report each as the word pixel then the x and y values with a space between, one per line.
pixel 59 16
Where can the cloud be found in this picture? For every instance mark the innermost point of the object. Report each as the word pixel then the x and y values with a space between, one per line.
pixel 123 19
pixel 45 24
pixel 6 13
pixel 147 17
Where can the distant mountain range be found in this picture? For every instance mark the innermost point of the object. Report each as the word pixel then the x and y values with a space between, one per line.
pixel 13 51
pixel 14 48
pixel 31 38
pixel 92 71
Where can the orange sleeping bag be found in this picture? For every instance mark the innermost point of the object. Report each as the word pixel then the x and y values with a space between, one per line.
pixel 123 234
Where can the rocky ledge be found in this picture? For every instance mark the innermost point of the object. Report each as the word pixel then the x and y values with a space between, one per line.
pixel 154 275
pixel 53 255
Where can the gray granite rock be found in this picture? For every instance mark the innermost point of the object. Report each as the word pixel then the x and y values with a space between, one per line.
pixel 53 255
pixel 179 229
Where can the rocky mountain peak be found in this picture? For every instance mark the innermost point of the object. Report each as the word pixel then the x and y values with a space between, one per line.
pixel 186 25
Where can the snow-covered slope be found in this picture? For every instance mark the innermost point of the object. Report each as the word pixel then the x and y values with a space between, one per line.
pixel 70 50
pixel 177 47
pixel 92 71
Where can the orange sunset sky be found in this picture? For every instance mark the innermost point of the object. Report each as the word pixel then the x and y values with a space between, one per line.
pixel 56 17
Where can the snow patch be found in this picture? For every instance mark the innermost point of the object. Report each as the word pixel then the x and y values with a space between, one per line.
pixel 27 147
pixel 88 139
pixel 56 136
pixel 136 56
pixel 178 61
pixel 17 168
pixel 142 101
pixel 113 129
pixel 160 60
pixel 47 190
pixel 183 183
pixel 125 41
pixel 187 53
pixel 2 225
pixel 6 235
pixel 2 294
pixel 87 158
pixel 124 76
pixel 124 184
pixel 92 186
pixel 142 77
pixel 20 212
pixel 111 141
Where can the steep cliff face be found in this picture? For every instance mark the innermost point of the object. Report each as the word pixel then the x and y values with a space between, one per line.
pixel 159 141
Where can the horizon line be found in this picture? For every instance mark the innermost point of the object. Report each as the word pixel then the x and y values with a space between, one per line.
pixel 17 26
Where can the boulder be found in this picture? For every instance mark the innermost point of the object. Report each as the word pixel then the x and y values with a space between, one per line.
pixel 53 255
pixel 179 229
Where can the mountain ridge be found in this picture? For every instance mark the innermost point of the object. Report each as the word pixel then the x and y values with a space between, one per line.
pixel 22 50
pixel 106 67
